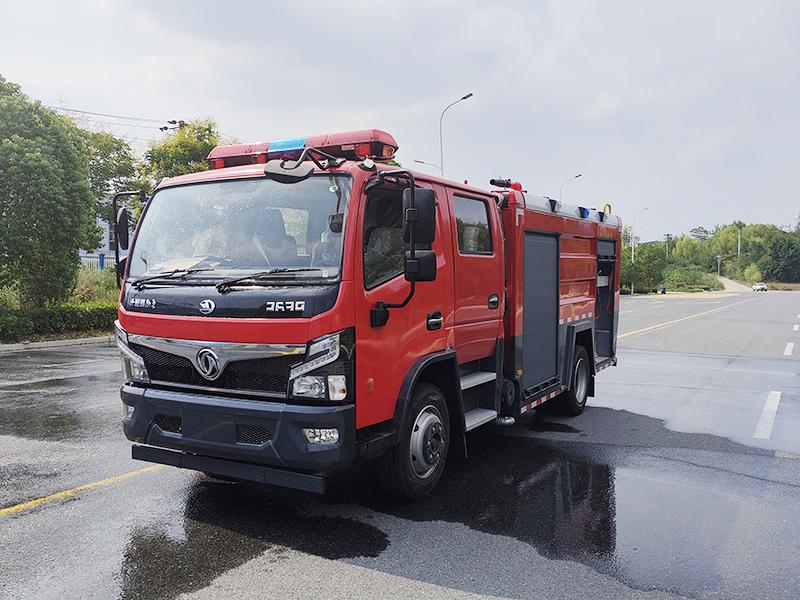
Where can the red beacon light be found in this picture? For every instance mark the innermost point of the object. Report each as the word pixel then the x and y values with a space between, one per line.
pixel 352 145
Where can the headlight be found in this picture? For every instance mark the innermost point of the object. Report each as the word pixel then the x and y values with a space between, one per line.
pixel 309 386
pixel 324 373
pixel 313 386
pixel 133 366
pixel 320 353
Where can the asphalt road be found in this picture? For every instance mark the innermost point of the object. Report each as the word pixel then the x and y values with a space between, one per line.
pixel 681 479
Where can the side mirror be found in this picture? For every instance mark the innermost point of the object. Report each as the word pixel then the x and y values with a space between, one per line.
pixel 419 216
pixel 121 228
pixel 422 267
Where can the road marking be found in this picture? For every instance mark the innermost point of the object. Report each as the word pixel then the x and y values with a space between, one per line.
pixel 39 501
pixel 796 327
pixel 764 427
pixel 788 350
pixel 780 454
pixel 697 316
pixel 622 312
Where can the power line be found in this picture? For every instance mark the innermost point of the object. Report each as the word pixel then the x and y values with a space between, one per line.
pixel 87 112
pixel 125 124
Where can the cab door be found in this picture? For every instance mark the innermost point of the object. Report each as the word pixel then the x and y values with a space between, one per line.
pixel 479 275
pixel 385 354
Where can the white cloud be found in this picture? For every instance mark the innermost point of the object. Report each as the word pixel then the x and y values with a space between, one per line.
pixel 690 108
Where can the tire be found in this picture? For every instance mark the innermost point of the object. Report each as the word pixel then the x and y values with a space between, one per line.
pixel 574 400
pixel 413 467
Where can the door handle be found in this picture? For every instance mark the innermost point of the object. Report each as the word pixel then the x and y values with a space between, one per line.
pixel 494 301
pixel 435 320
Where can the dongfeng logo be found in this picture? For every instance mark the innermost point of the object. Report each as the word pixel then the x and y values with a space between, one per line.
pixel 207 307
pixel 208 364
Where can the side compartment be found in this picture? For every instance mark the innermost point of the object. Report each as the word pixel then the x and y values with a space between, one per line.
pixel 541 311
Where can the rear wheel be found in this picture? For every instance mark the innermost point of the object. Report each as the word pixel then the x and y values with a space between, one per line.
pixel 574 401
pixel 413 467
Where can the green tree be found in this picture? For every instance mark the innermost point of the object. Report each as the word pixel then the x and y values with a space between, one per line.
pixel 687 250
pixel 752 274
pixel 700 233
pixel 46 204
pixel 648 267
pixel 183 150
pixel 112 168
pixel 783 259
pixel 625 268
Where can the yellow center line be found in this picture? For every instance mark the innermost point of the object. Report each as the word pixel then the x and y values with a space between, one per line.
pixel 697 316
pixel 39 501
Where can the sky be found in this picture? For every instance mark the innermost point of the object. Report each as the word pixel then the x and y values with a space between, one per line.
pixel 679 114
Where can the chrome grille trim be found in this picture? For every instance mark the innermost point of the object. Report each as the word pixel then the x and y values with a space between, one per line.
pixel 226 351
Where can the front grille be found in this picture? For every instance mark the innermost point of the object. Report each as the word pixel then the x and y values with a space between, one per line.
pixel 250 434
pixel 169 423
pixel 262 374
pixel 163 366
pixel 269 375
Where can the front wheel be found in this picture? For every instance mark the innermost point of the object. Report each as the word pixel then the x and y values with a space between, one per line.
pixel 574 401
pixel 413 467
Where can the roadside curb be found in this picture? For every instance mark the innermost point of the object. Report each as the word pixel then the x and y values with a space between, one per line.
pixel 107 340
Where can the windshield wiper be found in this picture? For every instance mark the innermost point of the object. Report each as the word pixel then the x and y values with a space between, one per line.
pixel 174 274
pixel 222 285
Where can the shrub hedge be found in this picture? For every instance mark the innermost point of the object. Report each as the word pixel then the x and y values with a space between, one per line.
pixel 19 325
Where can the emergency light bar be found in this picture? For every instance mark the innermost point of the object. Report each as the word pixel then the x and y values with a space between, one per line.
pixel 352 145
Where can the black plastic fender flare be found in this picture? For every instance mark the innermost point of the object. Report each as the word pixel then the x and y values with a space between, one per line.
pixel 448 381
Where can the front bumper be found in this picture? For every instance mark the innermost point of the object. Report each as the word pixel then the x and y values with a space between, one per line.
pixel 250 432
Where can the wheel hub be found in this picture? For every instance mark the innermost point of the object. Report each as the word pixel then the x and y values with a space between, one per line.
pixel 427 442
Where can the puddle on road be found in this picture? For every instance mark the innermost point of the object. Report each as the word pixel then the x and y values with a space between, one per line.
pixel 651 522
pixel 227 525
pixel 56 410
pixel 563 506
pixel 538 423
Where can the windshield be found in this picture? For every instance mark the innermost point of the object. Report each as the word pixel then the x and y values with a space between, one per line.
pixel 253 228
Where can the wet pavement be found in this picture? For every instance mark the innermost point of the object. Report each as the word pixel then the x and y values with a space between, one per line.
pixel 625 501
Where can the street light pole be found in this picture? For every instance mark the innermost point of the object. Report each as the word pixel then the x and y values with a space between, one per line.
pixel 422 162
pixel 562 185
pixel 441 150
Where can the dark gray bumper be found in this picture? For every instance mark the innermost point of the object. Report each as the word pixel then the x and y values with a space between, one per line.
pixel 262 433
pixel 230 468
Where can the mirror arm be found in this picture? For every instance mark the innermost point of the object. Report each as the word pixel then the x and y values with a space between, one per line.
pixel 379 315
pixel 329 161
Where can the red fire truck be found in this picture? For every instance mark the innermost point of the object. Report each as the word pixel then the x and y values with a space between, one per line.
pixel 303 307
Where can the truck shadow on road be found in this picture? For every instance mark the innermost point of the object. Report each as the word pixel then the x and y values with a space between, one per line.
pixel 510 485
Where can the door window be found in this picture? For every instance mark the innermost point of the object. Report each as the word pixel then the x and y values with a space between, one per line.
pixel 472 224
pixel 383 245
